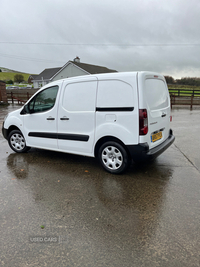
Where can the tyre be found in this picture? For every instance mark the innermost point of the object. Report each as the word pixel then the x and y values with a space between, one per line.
pixel 113 157
pixel 17 142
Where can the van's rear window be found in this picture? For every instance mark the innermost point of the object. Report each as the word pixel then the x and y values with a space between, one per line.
pixel 156 93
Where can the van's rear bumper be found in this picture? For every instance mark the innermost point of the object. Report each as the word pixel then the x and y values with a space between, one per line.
pixel 141 152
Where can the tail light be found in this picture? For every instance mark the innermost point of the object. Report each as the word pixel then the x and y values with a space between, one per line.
pixel 143 122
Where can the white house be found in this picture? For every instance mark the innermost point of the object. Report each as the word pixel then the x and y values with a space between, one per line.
pixel 70 69
pixel 44 77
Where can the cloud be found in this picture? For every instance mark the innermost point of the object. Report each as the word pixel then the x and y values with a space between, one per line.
pixel 123 35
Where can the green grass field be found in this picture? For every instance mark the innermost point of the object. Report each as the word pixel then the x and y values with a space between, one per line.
pixel 184 87
pixel 184 90
pixel 185 93
pixel 6 76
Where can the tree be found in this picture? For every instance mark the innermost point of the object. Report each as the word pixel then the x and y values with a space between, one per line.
pixel 18 78
pixel 189 81
pixel 169 80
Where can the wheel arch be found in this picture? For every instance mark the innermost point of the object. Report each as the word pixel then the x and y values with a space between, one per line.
pixel 106 139
pixel 11 128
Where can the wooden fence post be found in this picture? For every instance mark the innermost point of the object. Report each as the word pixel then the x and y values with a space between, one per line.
pixel 171 97
pixel 191 101
pixel 12 97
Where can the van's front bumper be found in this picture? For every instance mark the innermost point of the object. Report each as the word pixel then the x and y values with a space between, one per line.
pixel 141 152
pixel 4 132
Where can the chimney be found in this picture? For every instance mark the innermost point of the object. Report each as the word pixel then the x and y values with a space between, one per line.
pixel 77 59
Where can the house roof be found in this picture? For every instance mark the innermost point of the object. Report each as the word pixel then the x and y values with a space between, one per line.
pixel 92 69
pixel 47 74
pixel 33 76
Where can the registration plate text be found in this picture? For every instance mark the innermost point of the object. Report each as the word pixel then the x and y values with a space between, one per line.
pixel 155 137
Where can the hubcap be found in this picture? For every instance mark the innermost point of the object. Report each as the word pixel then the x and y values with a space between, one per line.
pixel 17 141
pixel 112 157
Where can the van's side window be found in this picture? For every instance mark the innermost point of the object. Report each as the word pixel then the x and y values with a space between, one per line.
pixel 44 100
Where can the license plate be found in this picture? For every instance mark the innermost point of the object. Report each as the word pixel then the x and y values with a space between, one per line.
pixel 155 137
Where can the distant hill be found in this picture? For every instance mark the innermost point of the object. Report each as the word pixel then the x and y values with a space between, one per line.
pixel 8 74
pixel 9 70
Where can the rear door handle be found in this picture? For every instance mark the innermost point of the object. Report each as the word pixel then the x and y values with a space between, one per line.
pixel 64 119
pixel 50 119
pixel 163 115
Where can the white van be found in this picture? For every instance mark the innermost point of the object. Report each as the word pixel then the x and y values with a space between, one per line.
pixel 115 117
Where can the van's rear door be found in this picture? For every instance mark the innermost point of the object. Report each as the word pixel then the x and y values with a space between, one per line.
pixel 154 97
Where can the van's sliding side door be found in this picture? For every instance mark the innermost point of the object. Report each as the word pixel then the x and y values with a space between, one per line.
pixel 76 116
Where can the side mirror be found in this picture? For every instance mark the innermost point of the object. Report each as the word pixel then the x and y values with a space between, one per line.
pixel 25 110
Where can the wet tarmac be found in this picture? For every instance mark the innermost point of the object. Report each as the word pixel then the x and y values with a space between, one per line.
pixel 58 209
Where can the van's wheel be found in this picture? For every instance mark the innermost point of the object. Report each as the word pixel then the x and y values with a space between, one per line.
pixel 17 142
pixel 113 157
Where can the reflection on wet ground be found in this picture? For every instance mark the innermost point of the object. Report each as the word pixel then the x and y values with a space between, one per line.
pixel 146 217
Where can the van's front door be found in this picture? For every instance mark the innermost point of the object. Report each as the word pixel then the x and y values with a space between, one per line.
pixel 40 121
pixel 76 116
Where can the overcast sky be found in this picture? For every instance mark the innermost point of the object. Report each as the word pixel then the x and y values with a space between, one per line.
pixel 125 35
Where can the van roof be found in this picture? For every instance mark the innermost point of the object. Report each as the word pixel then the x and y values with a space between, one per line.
pixel 113 75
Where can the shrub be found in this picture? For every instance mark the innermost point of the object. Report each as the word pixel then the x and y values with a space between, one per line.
pixel 9 82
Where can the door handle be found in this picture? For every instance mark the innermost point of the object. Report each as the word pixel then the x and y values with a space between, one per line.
pixel 50 119
pixel 163 115
pixel 64 119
